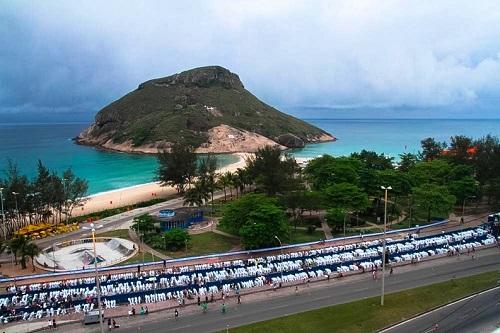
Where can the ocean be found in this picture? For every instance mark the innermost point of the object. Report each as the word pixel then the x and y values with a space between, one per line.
pixel 105 171
pixel 392 136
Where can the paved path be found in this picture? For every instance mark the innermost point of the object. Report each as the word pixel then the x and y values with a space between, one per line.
pixel 284 302
pixel 112 222
pixel 478 313
pixel 326 229
pixel 145 247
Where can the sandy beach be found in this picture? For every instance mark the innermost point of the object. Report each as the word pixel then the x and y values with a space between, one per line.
pixel 139 193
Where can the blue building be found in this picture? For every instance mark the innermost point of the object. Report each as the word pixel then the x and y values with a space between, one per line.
pixel 178 218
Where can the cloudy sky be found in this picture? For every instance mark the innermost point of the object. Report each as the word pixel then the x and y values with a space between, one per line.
pixel 337 58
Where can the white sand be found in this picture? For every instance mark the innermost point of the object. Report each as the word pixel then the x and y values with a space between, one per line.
pixel 139 193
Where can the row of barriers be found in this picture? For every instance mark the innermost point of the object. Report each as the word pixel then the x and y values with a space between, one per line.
pixel 219 255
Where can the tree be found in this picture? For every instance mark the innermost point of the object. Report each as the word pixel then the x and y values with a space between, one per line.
pixel 493 192
pixel 21 247
pixel 435 172
pixel 272 173
pixel 431 149
pixel 407 161
pixel 335 217
pixel 486 160
pixel 263 225
pixel 399 181
pixel 16 246
pixel 196 195
pixel 374 161
pixel 324 171
pixel 143 224
pixel 225 182
pixel 433 199
pixel 257 218
pixel 32 250
pixel 207 175
pixel 346 196
pixel 236 213
pixel 177 167
pixel 75 191
pixel 175 239
pixel 463 188
pixel 460 152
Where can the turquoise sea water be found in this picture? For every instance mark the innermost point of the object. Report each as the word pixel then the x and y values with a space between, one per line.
pixel 392 136
pixel 52 143
pixel 106 171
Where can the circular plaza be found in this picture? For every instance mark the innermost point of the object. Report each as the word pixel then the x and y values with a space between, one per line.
pixel 79 254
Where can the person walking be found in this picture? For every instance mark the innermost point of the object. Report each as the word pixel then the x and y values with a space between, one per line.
pixel 391 271
pixel 223 308
pixel 109 324
pixel 239 299
pixel 176 314
pixel 199 300
pixel 54 325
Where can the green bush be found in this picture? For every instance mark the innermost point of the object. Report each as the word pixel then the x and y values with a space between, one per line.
pixel 175 239
pixel 310 229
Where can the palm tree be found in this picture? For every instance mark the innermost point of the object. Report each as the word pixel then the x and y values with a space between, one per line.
pixel 31 250
pixel 241 179
pixel 16 245
pixel 225 182
pixel 196 195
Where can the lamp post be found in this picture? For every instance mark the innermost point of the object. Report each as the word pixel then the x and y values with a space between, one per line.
pixel 386 189
pixel 97 281
pixel 281 258
pixel 463 207
pixel 17 210
pixel 3 214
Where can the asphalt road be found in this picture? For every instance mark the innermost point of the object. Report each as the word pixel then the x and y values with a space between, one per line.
pixel 318 295
pixel 110 223
pixel 479 313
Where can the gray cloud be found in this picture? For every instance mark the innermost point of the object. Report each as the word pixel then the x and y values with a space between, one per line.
pixel 60 55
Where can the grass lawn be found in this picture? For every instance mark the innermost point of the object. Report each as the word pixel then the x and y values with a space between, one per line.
pixel 398 306
pixel 206 243
pixel 404 224
pixel 138 259
pixel 120 233
pixel 355 232
pixel 302 236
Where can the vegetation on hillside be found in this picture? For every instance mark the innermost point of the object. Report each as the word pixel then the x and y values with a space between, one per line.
pixel 183 107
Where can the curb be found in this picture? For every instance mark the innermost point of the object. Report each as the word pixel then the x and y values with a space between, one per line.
pixel 386 328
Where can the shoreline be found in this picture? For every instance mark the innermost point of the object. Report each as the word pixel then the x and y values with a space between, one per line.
pixel 141 192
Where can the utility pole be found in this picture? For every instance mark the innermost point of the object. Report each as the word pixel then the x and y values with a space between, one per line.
pixel 386 189
pixel 3 214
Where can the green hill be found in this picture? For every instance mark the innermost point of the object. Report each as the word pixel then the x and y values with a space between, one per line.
pixel 208 107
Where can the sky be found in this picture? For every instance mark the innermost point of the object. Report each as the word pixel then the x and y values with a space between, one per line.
pixel 326 59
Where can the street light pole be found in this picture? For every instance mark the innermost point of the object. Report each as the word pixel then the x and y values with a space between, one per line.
pixel 463 208
pixel 386 189
pixel 3 214
pixel 17 210
pixel 97 281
